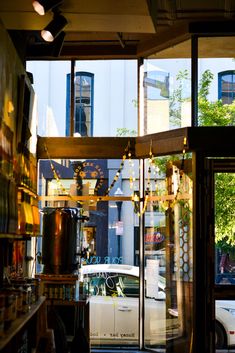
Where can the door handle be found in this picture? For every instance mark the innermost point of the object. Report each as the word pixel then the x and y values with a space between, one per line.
pixel 124 308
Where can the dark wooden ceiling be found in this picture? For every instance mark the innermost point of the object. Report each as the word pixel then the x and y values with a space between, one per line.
pixel 115 29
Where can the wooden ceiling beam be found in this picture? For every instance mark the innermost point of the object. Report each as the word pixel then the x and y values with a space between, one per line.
pixel 198 139
pixel 83 147
pixel 80 52
pixel 166 39
pixel 162 143
pixel 99 52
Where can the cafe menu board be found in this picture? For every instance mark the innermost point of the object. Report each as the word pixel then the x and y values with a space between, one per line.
pixel 152 273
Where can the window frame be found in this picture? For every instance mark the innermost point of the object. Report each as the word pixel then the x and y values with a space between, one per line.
pixel 68 101
pixel 231 95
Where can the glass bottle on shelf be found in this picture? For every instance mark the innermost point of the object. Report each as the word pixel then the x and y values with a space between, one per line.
pixel 36 216
pixel 21 214
pixel 29 214
pixel 12 208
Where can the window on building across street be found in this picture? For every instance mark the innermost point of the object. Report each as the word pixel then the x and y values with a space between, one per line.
pixel 226 81
pixel 83 104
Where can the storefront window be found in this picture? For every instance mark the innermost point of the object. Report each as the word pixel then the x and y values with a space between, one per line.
pixel 215 82
pixel 166 91
pixel 107 240
pixel 105 97
pixel 224 228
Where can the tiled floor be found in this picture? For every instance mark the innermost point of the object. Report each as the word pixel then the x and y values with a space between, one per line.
pixel 115 351
pixel 135 351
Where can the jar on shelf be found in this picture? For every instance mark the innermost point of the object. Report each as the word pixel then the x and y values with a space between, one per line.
pixel 10 309
pixel 2 314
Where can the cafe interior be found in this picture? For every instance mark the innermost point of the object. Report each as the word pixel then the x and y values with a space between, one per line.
pixel 117 242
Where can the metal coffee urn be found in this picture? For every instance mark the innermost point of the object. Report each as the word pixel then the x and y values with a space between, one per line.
pixel 60 231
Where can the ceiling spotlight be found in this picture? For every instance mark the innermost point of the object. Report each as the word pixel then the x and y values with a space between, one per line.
pixel 42 6
pixel 51 31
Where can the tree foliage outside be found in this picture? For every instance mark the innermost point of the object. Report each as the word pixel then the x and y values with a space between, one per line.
pixel 225 208
pixel 218 114
pixel 124 132
pixel 209 114
pixel 213 113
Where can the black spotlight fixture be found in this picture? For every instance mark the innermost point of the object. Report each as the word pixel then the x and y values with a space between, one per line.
pixel 51 31
pixel 42 6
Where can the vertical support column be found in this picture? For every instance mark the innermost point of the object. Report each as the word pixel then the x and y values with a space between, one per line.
pixel 140 97
pixel 72 96
pixel 141 195
pixel 203 304
pixel 141 265
pixel 194 79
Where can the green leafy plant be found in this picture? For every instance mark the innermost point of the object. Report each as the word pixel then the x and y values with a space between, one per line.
pixel 123 132
pixel 210 114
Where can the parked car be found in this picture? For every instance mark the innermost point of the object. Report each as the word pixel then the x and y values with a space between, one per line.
pixel 225 323
pixel 114 293
pixel 114 307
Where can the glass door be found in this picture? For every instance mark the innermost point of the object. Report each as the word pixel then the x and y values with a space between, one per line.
pixel 222 172
pixel 168 254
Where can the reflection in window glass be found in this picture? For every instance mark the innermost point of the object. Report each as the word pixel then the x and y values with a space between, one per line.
pixel 108 261
pixel 108 252
pixel 168 255
pixel 166 94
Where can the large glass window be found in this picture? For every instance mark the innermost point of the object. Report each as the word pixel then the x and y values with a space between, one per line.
pixel 106 257
pixel 224 227
pixel 105 97
pixel 166 95
pixel 216 87
pixel 49 84
pixel 224 256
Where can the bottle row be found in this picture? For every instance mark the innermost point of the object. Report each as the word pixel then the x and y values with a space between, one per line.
pixel 28 214
pixel 26 174
pixel 19 213
pixel 23 167
pixel 6 149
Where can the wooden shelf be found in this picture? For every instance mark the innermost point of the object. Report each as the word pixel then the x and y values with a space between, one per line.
pixel 60 302
pixel 19 323
pixel 27 190
pixel 17 236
